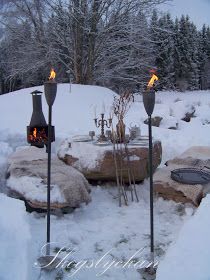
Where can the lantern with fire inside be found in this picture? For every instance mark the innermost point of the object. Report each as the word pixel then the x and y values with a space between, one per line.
pixel 38 130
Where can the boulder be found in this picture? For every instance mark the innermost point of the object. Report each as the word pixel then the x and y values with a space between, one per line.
pixel 189 115
pixel 194 157
pixel 27 179
pixel 167 188
pixel 97 163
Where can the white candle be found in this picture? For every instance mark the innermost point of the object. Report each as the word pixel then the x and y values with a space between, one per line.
pixel 95 111
pixel 110 112
pixel 103 108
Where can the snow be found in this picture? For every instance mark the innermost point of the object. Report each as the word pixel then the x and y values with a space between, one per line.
pixel 188 257
pixel 89 153
pixel 100 226
pixel 14 241
pixel 73 112
pixel 32 188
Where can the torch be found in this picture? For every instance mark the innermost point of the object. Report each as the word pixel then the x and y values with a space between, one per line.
pixel 149 103
pixel 50 89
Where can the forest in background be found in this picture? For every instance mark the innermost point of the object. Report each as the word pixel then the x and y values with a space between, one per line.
pixel 112 43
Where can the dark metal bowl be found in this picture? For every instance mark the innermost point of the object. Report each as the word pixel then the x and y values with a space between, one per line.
pixel 191 176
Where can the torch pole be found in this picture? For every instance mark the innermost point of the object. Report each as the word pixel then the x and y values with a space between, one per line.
pixel 48 179
pixel 151 189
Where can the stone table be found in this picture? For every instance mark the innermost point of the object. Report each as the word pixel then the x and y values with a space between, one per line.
pixel 96 162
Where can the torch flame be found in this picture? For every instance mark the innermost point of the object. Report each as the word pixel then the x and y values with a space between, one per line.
pixel 153 79
pixel 52 74
pixel 35 132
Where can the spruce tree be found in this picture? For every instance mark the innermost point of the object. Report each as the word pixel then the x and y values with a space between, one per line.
pixel 186 45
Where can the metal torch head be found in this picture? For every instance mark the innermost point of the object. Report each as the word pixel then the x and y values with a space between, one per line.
pixel 50 90
pixel 149 101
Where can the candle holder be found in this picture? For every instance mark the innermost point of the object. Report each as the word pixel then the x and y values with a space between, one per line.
pixel 102 123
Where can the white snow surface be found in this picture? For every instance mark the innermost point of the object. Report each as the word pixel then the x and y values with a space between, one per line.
pixel 89 153
pixel 32 188
pixel 188 257
pixel 100 226
pixel 72 112
pixel 14 239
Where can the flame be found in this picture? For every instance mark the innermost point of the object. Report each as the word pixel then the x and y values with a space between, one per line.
pixel 52 74
pixel 35 132
pixel 153 79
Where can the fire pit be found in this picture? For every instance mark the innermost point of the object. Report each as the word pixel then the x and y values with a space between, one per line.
pixel 191 176
pixel 37 131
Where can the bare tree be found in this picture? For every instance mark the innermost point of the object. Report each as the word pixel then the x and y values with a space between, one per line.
pixel 99 41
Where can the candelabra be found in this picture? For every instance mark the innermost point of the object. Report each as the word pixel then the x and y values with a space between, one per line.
pixel 102 123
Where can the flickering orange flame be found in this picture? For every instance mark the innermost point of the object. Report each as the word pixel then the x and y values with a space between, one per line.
pixel 153 79
pixel 35 132
pixel 52 74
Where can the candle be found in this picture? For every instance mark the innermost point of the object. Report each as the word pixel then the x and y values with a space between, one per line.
pixel 103 108
pixel 95 111
pixel 110 112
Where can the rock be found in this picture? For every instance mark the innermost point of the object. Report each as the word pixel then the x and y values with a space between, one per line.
pixel 155 121
pixel 170 123
pixel 97 163
pixel 27 178
pixel 189 115
pixel 167 188
pixel 194 157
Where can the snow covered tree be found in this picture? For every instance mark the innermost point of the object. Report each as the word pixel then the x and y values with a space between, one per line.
pixel 25 42
pixel 204 57
pixel 162 30
pixel 186 55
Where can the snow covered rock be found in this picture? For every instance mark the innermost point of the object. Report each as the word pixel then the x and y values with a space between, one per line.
pixel 155 121
pixel 188 257
pixel 167 188
pixel 196 157
pixel 97 162
pixel 14 241
pixel 27 179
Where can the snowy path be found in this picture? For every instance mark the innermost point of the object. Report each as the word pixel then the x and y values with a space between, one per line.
pixel 101 226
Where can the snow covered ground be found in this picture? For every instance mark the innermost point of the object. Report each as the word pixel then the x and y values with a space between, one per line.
pixel 14 239
pixel 189 256
pixel 95 229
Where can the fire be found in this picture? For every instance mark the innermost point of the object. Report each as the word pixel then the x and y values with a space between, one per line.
pixel 153 79
pixel 52 74
pixel 35 132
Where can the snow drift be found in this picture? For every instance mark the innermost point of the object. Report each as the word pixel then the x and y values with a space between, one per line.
pixel 14 241
pixel 189 257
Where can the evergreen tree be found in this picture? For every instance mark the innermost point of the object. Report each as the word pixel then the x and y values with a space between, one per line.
pixel 204 57
pixel 186 48
pixel 165 52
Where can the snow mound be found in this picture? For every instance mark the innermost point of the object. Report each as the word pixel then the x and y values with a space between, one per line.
pixel 14 239
pixel 73 112
pixel 189 257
